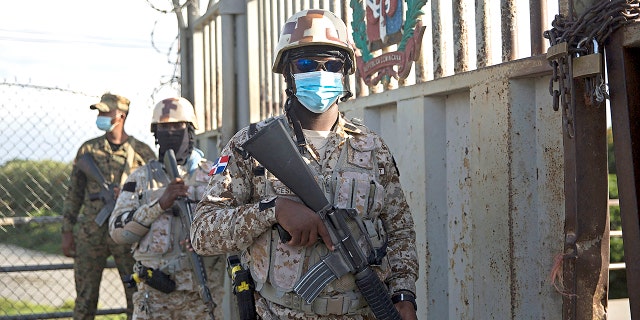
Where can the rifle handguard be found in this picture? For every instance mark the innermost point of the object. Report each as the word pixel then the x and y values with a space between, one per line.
pixel 374 291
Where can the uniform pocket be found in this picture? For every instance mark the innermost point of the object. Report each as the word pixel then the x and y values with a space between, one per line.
pixel 260 255
pixel 287 266
pixel 158 239
pixel 360 153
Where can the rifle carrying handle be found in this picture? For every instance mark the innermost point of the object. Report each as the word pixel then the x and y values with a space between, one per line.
pixel 375 292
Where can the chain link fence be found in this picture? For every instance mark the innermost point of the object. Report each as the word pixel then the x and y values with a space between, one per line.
pixel 41 129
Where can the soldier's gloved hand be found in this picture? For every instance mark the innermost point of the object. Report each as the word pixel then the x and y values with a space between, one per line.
pixel 173 190
pixel 304 225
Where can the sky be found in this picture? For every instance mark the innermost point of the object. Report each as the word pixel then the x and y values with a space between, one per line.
pixel 88 45
pixel 86 48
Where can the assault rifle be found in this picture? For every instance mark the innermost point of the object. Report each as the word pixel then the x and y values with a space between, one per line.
pixel 273 147
pixel 88 166
pixel 186 218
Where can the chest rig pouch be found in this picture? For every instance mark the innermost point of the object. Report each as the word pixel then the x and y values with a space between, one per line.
pixel 160 248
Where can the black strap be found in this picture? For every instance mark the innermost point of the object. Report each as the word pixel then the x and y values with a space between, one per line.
pixel 297 127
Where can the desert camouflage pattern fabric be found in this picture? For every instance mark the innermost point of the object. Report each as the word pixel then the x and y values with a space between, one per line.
pixel 312 27
pixel 153 304
pixel 356 170
pixel 93 244
pixel 160 247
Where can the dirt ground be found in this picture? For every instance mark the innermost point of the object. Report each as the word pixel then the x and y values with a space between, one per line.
pixel 50 287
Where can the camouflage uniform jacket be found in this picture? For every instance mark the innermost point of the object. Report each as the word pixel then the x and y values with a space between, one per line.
pixel 358 171
pixel 160 247
pixel 112 164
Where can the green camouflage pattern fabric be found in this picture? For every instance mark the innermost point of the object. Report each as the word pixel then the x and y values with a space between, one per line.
pixel 160 247
pixel 228 218
pixel 93 244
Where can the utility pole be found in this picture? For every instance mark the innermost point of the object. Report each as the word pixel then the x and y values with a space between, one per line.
pixel 186 45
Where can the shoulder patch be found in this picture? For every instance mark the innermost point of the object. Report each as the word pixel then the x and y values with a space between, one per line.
pixel 129 186
pixel 219 166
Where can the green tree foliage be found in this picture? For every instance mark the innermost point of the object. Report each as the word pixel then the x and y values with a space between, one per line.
pixel 617 278
pixel 611 159
pixel 31 188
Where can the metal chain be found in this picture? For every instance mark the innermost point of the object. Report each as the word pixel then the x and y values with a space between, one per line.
pixel 583 36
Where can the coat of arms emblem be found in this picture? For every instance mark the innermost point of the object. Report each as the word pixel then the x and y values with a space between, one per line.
pixel 380 23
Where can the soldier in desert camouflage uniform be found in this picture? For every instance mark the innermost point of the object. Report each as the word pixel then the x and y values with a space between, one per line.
pixel 356 169
pixel 116 154
pixel 144 216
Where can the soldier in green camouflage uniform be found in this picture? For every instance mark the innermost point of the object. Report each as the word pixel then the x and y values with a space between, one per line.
pixel 116 154
pixel 145 218
pixel 354 167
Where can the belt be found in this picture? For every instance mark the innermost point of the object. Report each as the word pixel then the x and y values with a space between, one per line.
pixel 344 303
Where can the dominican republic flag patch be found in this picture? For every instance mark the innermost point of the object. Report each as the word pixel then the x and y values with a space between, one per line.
pixel 219 166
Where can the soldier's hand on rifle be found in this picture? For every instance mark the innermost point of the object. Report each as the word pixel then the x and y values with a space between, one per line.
pixel 304 225
pixel 173 191
pixel 405 308
pixel 186 243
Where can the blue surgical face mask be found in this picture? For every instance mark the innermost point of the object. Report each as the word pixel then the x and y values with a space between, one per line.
pixel 104 123
pixel 318 90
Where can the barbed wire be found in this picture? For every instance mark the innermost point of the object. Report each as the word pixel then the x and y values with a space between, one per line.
pixel 41 87
pixel 173 80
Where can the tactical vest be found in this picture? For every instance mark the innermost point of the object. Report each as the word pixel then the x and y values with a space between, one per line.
pixel 160 248
pixel 354 183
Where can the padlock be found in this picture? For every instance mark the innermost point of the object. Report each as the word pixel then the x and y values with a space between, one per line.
pixel 588 65
pixel 556 51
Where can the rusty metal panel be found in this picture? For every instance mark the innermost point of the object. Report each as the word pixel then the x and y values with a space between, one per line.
pixel 483 36
pixel 490 207
pixel 461 28
pixel 538 22
pixel 460 156
pixel 536 197
pixel 624 74
pixel 438 40
pixel 493 205
pixel 435 283
pixel 509 31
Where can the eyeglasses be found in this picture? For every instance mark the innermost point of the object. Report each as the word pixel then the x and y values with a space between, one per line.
pixel 307 65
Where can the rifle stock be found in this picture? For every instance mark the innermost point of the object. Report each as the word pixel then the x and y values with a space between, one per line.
pixel 273 147
pixel 86 164
pixel 186 218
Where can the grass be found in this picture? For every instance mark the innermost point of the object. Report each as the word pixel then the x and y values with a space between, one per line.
pixel 14 308
pixel 39 237
pixel 11 307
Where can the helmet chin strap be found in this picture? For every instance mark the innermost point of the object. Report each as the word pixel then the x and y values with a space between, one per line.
pixel 297 127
